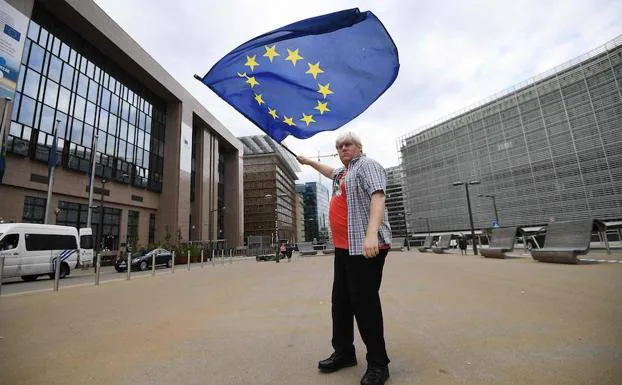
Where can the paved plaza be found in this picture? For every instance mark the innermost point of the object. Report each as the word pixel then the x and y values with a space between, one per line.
pixel 449 319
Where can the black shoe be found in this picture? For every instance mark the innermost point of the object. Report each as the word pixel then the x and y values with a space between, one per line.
pixel 375 375
pixel 336 362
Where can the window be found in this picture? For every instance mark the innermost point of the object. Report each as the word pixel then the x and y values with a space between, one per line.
pixel 132 227
pixel 36 242
pixel 9 242
pixel 152 228
pixel 34 210
pixel 86 242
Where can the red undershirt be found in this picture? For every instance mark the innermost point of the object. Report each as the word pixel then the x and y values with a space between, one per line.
pixel 338 215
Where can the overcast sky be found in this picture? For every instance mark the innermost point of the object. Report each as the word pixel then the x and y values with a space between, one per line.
pixel 452 53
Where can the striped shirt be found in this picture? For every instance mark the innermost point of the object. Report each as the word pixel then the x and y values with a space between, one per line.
pixel 364 176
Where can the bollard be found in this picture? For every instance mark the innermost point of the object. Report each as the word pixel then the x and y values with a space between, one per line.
pixel 98 268
pixel 222 256
pixel 201 258
pixel 1 271
pixel 129 266
pixel 153 254
pixel 213 255
pixel 188 260
pixel 231 256
pixel 173 263
pixel 57 272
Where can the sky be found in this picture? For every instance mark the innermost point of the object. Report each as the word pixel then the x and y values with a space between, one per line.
pixel 452 54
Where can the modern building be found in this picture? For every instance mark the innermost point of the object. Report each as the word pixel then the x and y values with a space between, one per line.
pixel 269 189
pixel 394 202
pixel 166 169
pixel 300 219
pixel 548 149
pixel 316 199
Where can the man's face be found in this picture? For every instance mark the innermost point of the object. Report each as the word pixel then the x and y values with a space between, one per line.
pixel 347 151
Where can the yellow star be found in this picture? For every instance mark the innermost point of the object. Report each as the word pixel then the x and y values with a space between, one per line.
pixel 293 56
pixel 271 52
pixel 252 82
pixel 259 99
pixel 289 121
pixel 322 107
pixel 250 62
pixel 314 69
pixel 324 90
pixel 272 113
pixel 307 118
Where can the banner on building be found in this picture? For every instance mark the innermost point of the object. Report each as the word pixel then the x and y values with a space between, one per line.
pixel 14 26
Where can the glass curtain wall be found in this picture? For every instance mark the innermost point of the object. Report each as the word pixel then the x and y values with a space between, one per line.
pixel 64 78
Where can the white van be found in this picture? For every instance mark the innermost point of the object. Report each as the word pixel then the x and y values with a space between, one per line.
pixel 32 249
pixel 86 247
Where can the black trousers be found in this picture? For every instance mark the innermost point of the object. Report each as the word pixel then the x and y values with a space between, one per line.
pixel 355 295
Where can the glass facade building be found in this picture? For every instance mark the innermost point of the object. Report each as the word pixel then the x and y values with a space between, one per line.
pixel 548 149
pixel 164 166
pixel 316 200
pixel 64 79
pixel 394 202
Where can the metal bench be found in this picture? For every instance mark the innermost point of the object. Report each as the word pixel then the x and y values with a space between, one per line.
pixel 443 244
pixel 329 249
pixel 427 244
pixel 397 244
pixel 564 241
pixel 501 242
pixel 306 248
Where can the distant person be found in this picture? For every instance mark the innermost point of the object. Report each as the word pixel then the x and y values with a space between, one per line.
pixel 462 244
pixel 282 251
pixel 362 239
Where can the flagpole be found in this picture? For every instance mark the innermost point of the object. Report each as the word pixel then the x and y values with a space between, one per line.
pixel 92 179
pixel 199 78
pixel 51 178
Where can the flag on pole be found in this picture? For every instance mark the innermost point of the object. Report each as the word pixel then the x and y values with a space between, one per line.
pixel 310 76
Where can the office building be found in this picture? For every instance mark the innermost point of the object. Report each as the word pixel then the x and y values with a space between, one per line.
pixel 316 200
pixel 548 149
pixel 269 189
pixel 166 170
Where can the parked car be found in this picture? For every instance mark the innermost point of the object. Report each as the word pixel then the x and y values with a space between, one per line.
pixel 533 239
pixel 143 259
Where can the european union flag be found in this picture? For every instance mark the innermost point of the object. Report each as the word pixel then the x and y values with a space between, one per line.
pixel 311 76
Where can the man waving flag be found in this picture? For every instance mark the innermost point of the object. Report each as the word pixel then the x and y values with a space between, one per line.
pixel 310 76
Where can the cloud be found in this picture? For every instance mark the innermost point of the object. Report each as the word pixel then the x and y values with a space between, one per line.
pixel 452 54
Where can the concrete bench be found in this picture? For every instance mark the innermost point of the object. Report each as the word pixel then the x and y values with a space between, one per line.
pixel 564 241
pixel 397 244
pixel 502 241
pixel 443 244
pixel 306 248
pixel 427 244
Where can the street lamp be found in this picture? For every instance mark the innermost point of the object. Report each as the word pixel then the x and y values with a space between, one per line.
pixel 101 215
pixel 276 222
pixel 494 205
pixel 466 188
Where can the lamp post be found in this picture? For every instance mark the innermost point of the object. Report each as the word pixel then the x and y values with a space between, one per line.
pixel 276 222
pixel 101 215
pixel 494 205
pixel 466 188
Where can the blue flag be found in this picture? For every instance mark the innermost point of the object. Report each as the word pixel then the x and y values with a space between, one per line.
pixel 53 154
pixel 311 76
